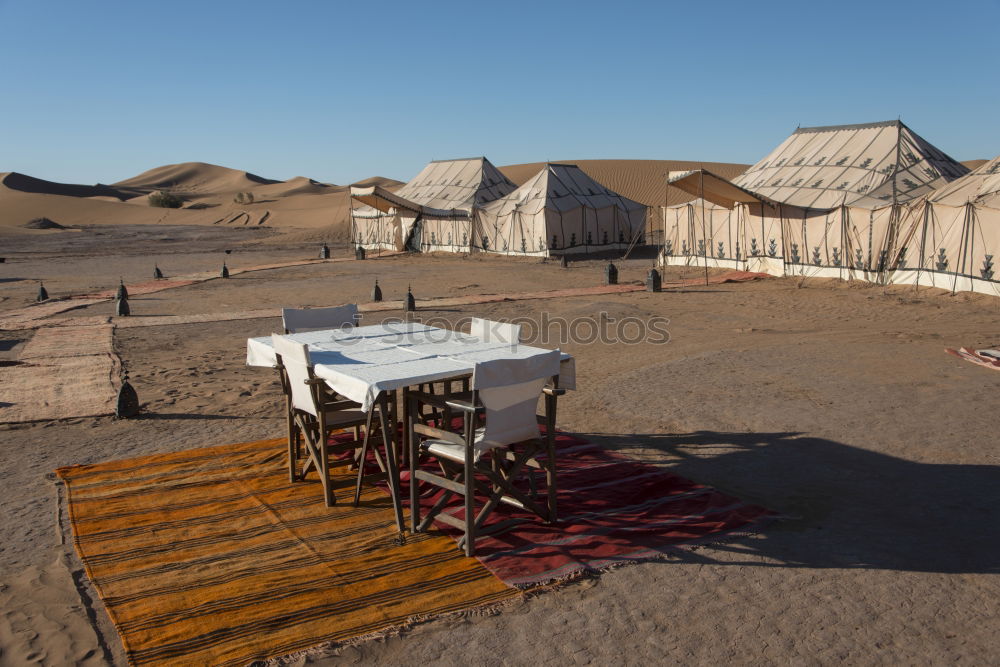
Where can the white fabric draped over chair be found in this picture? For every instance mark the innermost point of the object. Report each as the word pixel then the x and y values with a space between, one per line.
pixel 297 320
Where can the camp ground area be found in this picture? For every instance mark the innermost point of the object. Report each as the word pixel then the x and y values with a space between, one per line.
pixel 781 463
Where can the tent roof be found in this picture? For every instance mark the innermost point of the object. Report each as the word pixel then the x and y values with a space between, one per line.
pixel 457 184
pixel 561 187
pixel 713 188
pixel 868 165
pixel 980 186
pixel 444 187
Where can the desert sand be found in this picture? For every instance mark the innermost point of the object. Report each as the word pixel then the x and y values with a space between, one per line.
pixel 830 402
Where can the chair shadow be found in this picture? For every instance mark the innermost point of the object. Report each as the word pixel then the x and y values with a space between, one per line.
pixel 850 507
pixel 183 415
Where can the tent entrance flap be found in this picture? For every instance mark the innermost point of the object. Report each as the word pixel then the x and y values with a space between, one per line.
pixel 381 199
pixel 713 188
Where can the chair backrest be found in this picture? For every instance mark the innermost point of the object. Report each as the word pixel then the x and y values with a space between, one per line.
pixel 294 358
pixel 297 320
pixel 491 331
pixel 509 390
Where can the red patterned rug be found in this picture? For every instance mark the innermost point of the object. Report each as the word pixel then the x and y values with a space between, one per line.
pixel 987 358
pixel 612 510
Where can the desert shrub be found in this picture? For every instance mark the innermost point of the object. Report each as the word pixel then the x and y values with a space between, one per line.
pixel 162 199
pixel 243 198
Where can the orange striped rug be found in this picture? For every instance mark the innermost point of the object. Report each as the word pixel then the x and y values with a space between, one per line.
pixel 211 556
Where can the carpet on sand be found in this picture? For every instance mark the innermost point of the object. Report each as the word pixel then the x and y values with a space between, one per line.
pixel 211 556
pixel 61 373
pixel 987 358
pixel 612 510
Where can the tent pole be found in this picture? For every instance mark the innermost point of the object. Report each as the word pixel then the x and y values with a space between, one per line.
pixel 353 229
pixel 843 238
pixel 966 238
pixel 663 212
pixel 701 189
pixel 923 242
pixel 729 231
pixel 784 236
pixel 689 207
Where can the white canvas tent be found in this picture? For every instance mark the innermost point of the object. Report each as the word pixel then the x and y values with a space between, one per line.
pixel 953 235
pixel 840 201
pixel 864 166
pixel 431 212
pixel 559 210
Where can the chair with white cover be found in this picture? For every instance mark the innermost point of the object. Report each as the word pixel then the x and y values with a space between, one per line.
pixel 314 417
pixel 297 320
pixel 490 331
pixel 501 413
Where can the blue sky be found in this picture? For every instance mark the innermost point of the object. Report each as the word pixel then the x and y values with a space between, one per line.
pixel 339 91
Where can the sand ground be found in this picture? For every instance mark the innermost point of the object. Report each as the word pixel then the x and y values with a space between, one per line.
pixel 833 403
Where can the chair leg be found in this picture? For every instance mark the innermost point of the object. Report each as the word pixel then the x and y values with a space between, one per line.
pixel 433 511
pixel 324 472
pixel 470 518
pixel 293 442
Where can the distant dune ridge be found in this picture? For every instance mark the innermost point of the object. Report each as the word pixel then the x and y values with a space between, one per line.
pixel 304 208
pixel 641 180
pixel 199 177
pixel 23 183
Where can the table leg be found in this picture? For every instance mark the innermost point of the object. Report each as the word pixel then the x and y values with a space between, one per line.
pixel 412 459
pixel 550 446
pixel 405 408
pixel 388 437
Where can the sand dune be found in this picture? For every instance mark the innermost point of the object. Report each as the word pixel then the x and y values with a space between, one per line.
pixel 24 183
pixel 194 177
pixel 208 190
pixel 300 185
pixel 641 180
pixel 380 181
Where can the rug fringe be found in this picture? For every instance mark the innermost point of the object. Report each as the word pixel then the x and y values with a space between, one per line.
pixel 331 648
pixel 526 592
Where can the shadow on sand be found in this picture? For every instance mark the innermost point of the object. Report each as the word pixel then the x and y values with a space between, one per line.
pixel 852 508
pixel 144 414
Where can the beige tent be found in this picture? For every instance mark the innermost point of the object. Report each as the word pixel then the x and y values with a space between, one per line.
pixel 431 212
pixel 559 210
pixel 865 166
pixel 829 201
pixel 953 235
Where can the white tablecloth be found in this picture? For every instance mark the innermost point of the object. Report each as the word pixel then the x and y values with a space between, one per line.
pixel 360 363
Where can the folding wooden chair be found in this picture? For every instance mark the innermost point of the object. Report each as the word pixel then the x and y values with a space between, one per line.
pixel 501 413
pixel 313 417
pixel 487 331
pixel 297 320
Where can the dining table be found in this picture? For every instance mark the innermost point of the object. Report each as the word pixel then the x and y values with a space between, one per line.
pixel 373 364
